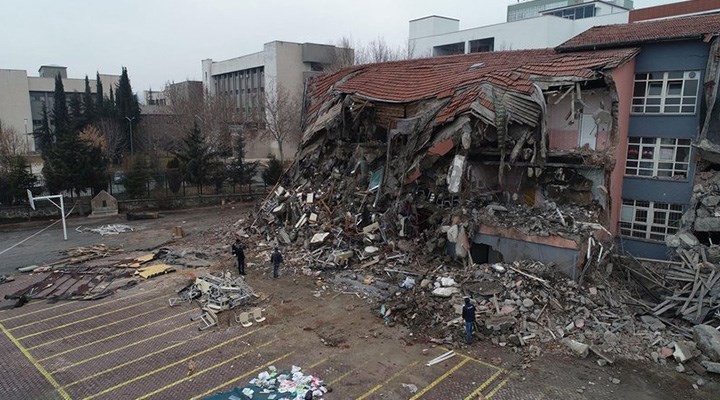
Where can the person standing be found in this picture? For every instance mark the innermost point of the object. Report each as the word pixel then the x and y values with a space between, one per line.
pixel 276 259
pixel 238 252
pixel 468 314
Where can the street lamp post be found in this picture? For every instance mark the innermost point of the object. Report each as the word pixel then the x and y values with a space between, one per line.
pixel 130 120
pixel 27 137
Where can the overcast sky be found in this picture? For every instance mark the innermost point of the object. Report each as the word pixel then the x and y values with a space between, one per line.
pixel 164 40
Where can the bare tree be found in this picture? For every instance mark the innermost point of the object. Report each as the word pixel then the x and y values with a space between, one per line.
pixel 113 136
pixel 10 145
pixel 215 115
pixel 375 51
pixel 282 118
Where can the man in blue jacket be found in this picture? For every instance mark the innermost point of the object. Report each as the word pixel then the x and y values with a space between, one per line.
pixel 276 258
pixel 468 314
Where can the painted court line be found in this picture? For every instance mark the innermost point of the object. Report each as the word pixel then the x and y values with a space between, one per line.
pixel 339 378
pixel 84 319
pixel 125 364
pixel 93 329
pixel 120 348
pixel 474 394
pixel 67 303
pixel 267 364
pixel 441 378
pixel 145 375
pixel 68 313
pixel 481 362
pixel 40 369
pixel 498 387
pixel 198 373
pixel 395 375
pixel 113 336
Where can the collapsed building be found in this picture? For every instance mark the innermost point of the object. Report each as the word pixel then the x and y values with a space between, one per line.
pixel 514 153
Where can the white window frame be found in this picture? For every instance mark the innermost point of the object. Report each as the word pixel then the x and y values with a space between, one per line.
pixel 658 157
pixel 648 220
pixel 665 102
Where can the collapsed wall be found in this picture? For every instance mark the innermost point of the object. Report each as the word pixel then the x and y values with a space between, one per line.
pixel 473 155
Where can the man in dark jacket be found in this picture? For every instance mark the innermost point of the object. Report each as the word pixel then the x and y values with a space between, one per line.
pixel 276 258
pixel 468 314
pixel 238 252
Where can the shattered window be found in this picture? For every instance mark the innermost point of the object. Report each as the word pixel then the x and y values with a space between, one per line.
pixel 649 220
pixel 658 157
pixel 666 92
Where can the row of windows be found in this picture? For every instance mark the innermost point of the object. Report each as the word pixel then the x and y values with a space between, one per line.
pixel 575 13
pixel 658 157
pixel 666 92
pixel 649 220
pixel 248 79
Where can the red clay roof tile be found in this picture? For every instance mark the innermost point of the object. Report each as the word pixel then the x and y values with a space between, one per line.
pixel 635 33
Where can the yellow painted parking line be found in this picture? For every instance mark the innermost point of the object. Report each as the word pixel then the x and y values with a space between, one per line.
pixel 134 360
pixel 93 329
pixel 198 373
pixel 267 364
pixel 84 319
pixel 498 387
pixel 67 303
pixel 120 348
pixel 317 363
pixel 113 336
pixel 339 378
pixel 481 362
pixel 473 395
pixel 145 375
pixel 395 375
pixel 39 367
pixel 68 313
pixel 441 378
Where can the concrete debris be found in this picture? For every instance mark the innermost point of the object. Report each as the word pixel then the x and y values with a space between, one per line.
pixel 103 230
pixel 708 341
pixel 652 323
pixel 712 367
pixel 580 349
pixel 684 351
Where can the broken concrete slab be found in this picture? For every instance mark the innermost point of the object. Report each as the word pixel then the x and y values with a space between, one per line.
pixel 652 323
pixel 500 323
pixel 445 291
pixel 708 341
pixel 684 351
pixel 580 349
pixel 712 367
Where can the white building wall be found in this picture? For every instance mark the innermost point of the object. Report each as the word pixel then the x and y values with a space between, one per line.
pixel 15 103
pixel 432 25
pixel 532 33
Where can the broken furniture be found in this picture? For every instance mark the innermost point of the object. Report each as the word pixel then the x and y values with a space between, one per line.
pixel 243 319
pixel 208 317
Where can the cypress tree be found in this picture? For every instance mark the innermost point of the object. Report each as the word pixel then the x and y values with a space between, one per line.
pixel 60 117
pixel 88 104
pixel 44 135
pixel 126 102
pixel 77 122
pixel 99 96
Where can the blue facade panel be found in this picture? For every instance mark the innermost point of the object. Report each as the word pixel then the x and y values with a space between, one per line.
pixel 646 249
pixel 674 56
pixel 666 126
pixel 665 191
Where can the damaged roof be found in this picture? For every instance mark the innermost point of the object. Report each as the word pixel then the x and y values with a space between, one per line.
pixel 459 78
pixel 637 33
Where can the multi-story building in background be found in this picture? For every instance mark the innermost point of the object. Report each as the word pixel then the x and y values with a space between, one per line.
pixel 532 24
pixel 249 79
pixel 22 96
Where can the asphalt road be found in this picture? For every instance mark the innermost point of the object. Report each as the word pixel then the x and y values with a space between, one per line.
pixel 46 247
